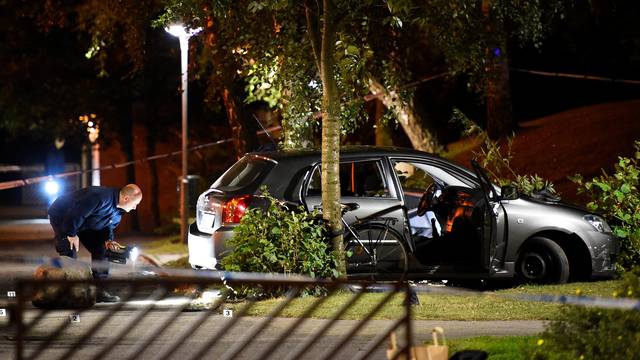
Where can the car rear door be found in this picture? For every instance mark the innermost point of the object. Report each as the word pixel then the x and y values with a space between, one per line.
pixel 364 181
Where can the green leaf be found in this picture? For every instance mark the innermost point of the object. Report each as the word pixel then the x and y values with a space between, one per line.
pixel 603 186
pixel 625 188
pixel 620 232
pixel 352 50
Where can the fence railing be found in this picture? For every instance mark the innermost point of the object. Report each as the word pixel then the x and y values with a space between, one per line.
pixel 155 319
pixel 184 314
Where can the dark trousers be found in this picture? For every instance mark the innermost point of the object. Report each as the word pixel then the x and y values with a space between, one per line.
pixel 93 241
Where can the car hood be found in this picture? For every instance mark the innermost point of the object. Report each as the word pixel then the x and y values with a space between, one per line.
pixel 555 202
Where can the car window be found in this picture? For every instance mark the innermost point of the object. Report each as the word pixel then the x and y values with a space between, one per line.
pixel 357 178
pixel 442 175
pixel 412 178
pixel 243 173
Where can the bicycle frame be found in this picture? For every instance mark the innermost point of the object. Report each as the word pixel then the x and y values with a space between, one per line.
pixel 375 218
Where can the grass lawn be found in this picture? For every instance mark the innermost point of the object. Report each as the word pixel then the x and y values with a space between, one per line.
pixel 498 348
pixel 508 347
pixel 492 305
pixel 489 305
pixel 168 245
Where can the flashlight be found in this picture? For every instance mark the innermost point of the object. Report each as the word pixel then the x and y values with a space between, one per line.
pixel 52 187
pixel 121 256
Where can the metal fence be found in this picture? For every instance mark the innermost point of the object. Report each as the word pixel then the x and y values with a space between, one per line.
pixel 156 319
pixel 184 314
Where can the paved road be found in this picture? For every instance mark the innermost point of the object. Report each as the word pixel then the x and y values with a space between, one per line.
pixel 137 334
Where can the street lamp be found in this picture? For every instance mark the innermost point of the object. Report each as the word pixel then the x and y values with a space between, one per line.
pixel 183 35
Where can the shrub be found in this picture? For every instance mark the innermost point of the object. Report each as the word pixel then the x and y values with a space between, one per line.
pixel 617 198
pixel 278 240
pixel 592 333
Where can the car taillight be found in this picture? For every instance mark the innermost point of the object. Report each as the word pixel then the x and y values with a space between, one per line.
pixel 234 209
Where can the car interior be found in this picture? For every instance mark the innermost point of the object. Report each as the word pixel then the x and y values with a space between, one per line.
pixel 357 179
pixel 445 220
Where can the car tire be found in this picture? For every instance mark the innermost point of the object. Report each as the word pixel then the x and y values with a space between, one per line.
pixel 542 261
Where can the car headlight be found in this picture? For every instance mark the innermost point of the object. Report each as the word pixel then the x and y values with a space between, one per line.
pixel 598 223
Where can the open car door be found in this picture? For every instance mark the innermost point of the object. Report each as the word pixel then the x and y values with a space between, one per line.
pixel 493 241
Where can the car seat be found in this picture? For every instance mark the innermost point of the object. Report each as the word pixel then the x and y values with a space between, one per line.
pixel 372 185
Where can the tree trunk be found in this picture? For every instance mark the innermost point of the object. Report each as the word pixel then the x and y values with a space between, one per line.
pixel 152 102
pixel 243 129
pixel 127 148
pixel 498 97
pixel 244 136
pixel 153 177
pixel 331 211
pixel 407 117
pixel 497 92
pixel 382 132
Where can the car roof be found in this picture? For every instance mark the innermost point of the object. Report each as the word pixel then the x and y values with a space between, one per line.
pixel 295 161
pixel 345 150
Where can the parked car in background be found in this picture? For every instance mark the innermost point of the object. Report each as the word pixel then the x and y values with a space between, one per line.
pixel 454 223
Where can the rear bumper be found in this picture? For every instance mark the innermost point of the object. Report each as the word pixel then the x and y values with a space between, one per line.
pixel 201 255
pixel 207 250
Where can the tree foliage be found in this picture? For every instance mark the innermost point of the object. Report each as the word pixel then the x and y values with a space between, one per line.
pixel 46 85
pixel 460 28
pixel 277 63
pixel 73 58
pixel 474 35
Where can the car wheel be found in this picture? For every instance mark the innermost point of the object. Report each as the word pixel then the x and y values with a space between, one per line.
pixel 543 262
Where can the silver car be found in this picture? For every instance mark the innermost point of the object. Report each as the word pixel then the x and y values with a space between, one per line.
pixel 454 223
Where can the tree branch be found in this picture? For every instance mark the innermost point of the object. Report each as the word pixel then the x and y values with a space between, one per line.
pixel 314 33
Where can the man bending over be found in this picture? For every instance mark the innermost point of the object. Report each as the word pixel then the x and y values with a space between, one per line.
pixel 88 216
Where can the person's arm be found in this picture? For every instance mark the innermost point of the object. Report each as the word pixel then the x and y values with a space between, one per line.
pixel 76 216
pixel 112 227
pixel 112 244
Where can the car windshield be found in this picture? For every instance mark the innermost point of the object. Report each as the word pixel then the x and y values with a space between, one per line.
pixel 448 176
pixel 243 173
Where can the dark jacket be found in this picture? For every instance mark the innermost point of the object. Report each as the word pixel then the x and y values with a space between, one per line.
pixel 91 208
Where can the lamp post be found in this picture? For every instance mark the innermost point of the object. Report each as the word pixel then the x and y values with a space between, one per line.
pixel 93 130
pixel 183 35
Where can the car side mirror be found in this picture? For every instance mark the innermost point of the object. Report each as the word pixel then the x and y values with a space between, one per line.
pixel 509 192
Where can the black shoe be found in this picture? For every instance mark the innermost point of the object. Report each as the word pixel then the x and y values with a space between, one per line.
pixel 104 297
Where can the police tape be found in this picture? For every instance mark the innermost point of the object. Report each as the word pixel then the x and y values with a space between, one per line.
pixel 5 185
pixel 38 179
pixel 599 302
pixel 577 76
